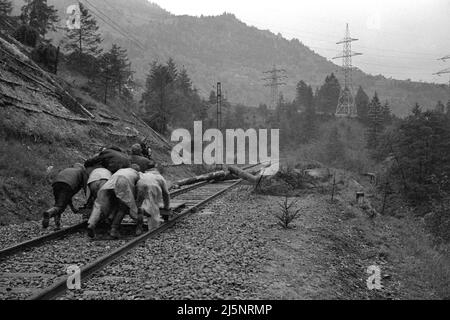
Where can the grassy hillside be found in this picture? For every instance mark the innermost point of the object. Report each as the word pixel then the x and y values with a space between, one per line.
pixel 43 130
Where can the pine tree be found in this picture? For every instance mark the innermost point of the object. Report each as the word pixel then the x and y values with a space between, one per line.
pixel 183 82
pixel 362 104
pixel 304 96
pixel 171 99
pixel 328 95
pixel 158 95
pixel 122 73
pixel 40 16
pixel 114 71
pixel 105 73
pixel 375 122
pixel 309 122
pixel 448 107
pixel 172 68
pixel 212 97
pixel 85 41
pixel 387 117
pixel 422 149
pixel 5 8
pixel 417 110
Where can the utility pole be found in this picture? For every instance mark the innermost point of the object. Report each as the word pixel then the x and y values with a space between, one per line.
pixel 274 81
pixel 219 105
pixel 346 104
pixel 439 73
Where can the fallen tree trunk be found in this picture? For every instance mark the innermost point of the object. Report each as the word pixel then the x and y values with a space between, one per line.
pixel 243 174
pixel 204 177
pixel 230 173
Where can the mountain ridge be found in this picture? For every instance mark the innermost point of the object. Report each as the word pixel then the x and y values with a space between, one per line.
pixel 223 48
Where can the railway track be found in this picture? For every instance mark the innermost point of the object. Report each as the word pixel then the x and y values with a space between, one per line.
pixel 41 240
pixel 36 269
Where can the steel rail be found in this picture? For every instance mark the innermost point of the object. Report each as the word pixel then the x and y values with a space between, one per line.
pixel 35 242
pixel 40 240
pixel 60 286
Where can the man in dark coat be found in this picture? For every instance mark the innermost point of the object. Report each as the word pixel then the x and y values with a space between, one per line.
pixel 67 183
pixel 137 158
pixel 109 159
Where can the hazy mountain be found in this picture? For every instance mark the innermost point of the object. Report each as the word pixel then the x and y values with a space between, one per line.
pixel 222 48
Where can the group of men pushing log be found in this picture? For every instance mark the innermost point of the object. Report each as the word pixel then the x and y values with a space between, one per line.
pixel 116 184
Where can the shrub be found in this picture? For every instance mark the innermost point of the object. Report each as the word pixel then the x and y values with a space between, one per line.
pixel 287 213
pixel 438 221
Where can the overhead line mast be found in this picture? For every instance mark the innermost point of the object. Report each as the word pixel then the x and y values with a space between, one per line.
pixel 445 71
pixel 346 103
pixel 274 82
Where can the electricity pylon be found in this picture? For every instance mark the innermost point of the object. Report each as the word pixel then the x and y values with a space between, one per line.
pixel 275 78
pixel 439 73
pixel 346 104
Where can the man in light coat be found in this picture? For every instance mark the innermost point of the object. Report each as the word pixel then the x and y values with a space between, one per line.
pixel 114 200
pixel 151 192
pixel 96 181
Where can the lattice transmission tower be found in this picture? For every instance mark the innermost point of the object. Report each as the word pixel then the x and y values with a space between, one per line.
pixel 439 73
pixel 346 104
pixel 274 82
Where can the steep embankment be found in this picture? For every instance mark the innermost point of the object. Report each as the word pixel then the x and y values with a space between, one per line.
pixel 223 48
pixel 46 123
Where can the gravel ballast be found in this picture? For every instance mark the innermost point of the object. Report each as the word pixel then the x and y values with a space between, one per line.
pixel 213 254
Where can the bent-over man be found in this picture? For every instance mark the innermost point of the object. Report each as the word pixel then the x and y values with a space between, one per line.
pixel 110 159
pixel 114 200
pixel 67 183
pixel 97 178
pixel 137 158
pixel 151 192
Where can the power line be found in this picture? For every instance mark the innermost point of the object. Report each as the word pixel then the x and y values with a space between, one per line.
pixel 118 30
pixel 444 71
pixel 120 13
pixel 374 54
pixel 113 25
pixel 327 38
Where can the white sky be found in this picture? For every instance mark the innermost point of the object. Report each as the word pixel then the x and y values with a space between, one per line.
pixel 399 38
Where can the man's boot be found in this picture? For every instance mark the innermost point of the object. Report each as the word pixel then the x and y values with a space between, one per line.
pixel 140 223
pixel 58 222
pixel 114 233
pixel 120 214
pixel 45 219
pixel 91 232
pixel 47 215
pixel 165 214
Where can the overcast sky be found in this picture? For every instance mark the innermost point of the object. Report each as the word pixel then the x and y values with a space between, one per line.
pixel 399 38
